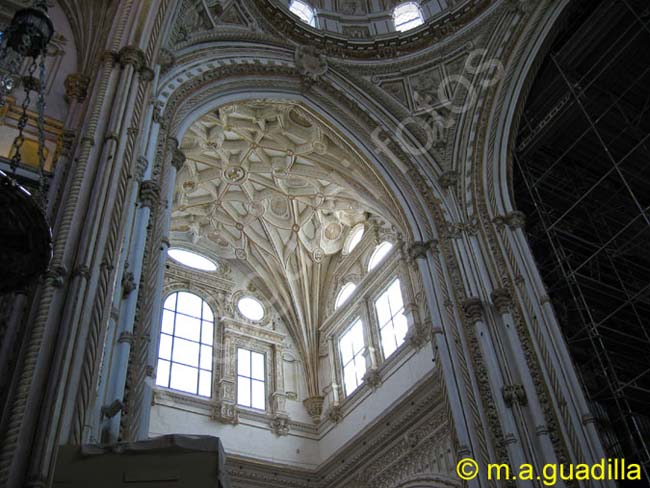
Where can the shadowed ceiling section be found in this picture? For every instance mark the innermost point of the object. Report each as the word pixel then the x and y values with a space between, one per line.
pixel 274 189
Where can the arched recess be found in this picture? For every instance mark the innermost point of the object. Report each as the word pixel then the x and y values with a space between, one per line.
pixel 547 352
pixel 204 79
pixel 417 224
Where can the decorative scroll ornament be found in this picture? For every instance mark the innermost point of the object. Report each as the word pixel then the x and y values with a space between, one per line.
pixel 25 236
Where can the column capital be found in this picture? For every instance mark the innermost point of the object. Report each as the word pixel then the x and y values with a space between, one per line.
pixel 149 193
pixel 76 87
pixel 133 56
pixel 178 159
pixel 502 300
pixel 516 219
pixel 418 249
pixel 473 309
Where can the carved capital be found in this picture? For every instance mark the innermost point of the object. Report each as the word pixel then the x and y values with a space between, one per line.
pixel 166 60
pixel 314 406
pixel 372 378
pixel 514 394
pixel 418 250
pixel 516 219
pixel 149 193
pixel 128 284
pixel 335 414
pixel 226 413
pixel 280 425
pixel 133 56
pixel 502 300
pixel 76 87
pixel 178 159
pixel 473 309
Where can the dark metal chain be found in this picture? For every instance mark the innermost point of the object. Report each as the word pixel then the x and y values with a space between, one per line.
pixel 22 122
pixel 42 187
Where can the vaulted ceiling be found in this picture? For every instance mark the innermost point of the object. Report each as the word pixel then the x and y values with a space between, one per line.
pixel 269 185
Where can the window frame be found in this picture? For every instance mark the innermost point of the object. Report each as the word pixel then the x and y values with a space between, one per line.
pixel 394 277
pixel 312 10
pixel 402 5
pixel 347 284
pixel 375 251
pixel 174 336
pixel 264 381
pixel 358 319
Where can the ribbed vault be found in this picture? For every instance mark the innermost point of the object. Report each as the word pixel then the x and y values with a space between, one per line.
pixel 270 186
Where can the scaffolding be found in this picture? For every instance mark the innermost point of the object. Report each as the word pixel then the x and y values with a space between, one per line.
pixel 582 175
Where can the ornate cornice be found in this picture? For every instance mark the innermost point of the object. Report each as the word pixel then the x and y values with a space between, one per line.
pixel 280 22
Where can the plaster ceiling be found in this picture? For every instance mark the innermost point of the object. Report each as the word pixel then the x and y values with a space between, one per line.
pixel 269 185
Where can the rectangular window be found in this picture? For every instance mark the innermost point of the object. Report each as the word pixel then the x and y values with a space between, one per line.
pixel 251 371
pixel 185 351
pixel 353 347
pixel 392 321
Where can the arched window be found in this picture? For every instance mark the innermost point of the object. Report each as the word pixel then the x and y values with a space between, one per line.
pixel 303 11
pixel 185 352
pixel 379 254
pixel 392 322
pixel 353 239
pixel 407 15
pixel 344 294
pixel 191 259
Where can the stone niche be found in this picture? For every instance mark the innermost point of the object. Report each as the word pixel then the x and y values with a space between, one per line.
pixel 174 461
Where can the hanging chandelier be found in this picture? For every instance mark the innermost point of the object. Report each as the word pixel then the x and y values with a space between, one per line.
pixel 25 236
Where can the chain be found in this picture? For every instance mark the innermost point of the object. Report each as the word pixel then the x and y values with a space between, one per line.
pixel 22 122
pixel 42 187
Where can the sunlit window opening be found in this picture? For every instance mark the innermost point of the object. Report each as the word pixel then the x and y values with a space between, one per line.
pixel 303 11
pixel 407 16
pixel 185 352
pixel 354 238
pixel 344 294
pixel 352 347
pixel 191 259
pixel 251 308
pixel 250 379
pixel 379 254
pixel 392 322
